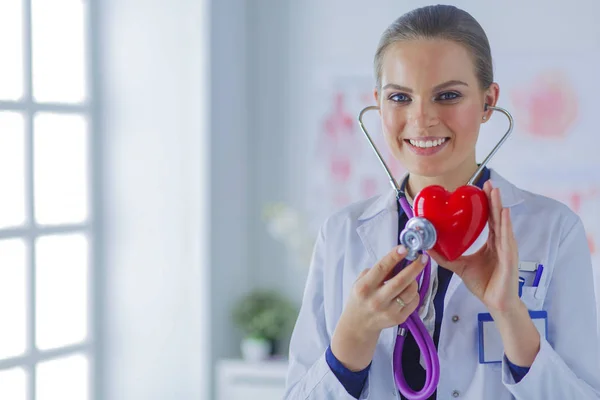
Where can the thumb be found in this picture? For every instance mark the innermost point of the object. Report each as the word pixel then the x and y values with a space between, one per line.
pixel 454 266
pixel 440 259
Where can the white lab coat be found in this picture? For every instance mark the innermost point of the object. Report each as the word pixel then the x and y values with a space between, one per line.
pixel 568 363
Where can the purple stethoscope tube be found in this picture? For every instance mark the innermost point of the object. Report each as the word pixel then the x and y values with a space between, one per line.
pixel 415 325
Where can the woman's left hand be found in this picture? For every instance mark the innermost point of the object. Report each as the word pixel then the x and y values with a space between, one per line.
pixel 492 273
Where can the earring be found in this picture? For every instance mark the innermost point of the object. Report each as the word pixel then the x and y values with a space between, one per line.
pixel 484 117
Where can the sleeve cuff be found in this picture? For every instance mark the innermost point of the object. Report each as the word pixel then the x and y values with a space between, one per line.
pixel 520 388
pixel 353 381
pixel 516 371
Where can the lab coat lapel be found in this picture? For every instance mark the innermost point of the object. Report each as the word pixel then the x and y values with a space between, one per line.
pixel 378 227
pixel 378 231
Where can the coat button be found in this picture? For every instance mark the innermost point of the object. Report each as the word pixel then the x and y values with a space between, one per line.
pixel 455 318
pixel 455 393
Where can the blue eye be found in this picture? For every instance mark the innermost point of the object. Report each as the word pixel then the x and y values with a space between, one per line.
pixel 399 97
pixel 449 96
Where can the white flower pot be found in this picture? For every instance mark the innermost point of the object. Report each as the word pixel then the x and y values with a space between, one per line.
pixel 255 349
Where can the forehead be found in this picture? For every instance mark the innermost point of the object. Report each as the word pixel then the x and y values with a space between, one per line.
pixel 427 62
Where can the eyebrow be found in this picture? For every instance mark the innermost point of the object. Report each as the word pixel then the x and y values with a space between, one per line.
pixel 435 89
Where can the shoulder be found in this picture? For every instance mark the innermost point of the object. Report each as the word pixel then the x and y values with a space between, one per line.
pixel 349 216
pixel 531 205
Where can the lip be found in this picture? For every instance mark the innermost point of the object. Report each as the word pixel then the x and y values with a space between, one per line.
pixel 427 151
pixel 426 138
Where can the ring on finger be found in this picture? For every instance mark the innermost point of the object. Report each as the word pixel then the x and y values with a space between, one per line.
pixel 401 302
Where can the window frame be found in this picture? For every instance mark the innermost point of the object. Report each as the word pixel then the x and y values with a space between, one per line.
pixel 89 109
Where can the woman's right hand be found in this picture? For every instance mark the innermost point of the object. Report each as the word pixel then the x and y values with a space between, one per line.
pixel 372 307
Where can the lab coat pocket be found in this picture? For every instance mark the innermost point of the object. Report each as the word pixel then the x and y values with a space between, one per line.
pixel 533 297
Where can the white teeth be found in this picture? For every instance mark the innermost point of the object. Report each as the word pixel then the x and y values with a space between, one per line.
pixel 429 143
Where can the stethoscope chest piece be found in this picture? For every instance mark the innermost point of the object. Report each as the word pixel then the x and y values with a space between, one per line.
pixel 418 235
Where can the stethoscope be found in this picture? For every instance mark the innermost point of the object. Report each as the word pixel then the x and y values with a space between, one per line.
pixel 418 236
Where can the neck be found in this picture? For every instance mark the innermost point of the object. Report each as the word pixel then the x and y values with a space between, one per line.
pixel 449 181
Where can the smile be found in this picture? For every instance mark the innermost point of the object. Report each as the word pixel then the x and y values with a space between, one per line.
pixel 428 146
pixel 427 143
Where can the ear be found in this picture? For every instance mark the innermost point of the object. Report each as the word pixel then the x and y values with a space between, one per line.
pixel 490 97
pixel 376 97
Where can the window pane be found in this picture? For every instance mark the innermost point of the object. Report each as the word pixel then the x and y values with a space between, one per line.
pixel 64 378
pixel 60 169
pixel 62 291
pixel 58 50
pixel 12 168
pixel 13 298
pixel 13 384
pixel 11 48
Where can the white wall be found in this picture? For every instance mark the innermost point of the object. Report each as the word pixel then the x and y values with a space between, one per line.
pixel 232 273
pixel 269 98
pixel 154 123
pixel 314 41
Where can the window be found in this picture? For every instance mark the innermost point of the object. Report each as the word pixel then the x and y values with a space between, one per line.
pixel 47 228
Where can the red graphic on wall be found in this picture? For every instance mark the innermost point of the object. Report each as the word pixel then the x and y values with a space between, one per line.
pixel 576 200
pixel 369 187
pixel 547 107
pixel 340 167
pixel 346 168
pixel 339 125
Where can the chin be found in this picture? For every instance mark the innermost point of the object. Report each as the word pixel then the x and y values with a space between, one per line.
pixel 428 169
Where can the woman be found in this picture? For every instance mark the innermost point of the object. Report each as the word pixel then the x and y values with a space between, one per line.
pixel 434 79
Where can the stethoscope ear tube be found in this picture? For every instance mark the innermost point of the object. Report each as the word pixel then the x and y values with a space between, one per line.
pixel 511 124
pixel 379 157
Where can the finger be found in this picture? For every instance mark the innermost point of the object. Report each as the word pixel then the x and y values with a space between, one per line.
pixel 409 293
pixel 504 247
pixel 514 247
pixel 401 314
pixel 457 266
pixel 440 259
pixel 362 273
pixel 508 239
pixel 509 226
pixel 382 269
pixel 496 211
pixel 488 188
pixel 402 280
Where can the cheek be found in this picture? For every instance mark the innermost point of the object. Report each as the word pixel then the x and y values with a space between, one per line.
pixel 464 120
pixel 392 121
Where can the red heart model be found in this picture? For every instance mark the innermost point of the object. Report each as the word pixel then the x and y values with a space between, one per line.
pixel 458 217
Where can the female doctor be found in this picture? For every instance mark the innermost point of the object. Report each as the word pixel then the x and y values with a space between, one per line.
pixel 434 77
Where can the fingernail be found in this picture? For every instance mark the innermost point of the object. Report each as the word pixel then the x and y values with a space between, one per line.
pixel 401 250
pixel 424 258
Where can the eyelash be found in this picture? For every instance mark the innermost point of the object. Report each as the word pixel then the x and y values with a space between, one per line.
pixel 456 96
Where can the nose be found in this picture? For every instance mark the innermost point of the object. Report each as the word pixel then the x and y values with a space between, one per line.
pixel 422 115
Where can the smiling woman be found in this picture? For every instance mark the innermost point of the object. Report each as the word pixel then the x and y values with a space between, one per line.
pixel 434 88
pixel 432 104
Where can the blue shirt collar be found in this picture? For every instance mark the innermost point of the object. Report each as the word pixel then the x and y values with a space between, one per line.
pixel 485 176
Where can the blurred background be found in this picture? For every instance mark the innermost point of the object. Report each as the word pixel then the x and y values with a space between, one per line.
pixel 165 166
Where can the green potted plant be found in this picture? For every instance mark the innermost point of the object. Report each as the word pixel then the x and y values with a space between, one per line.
pixel 265 317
